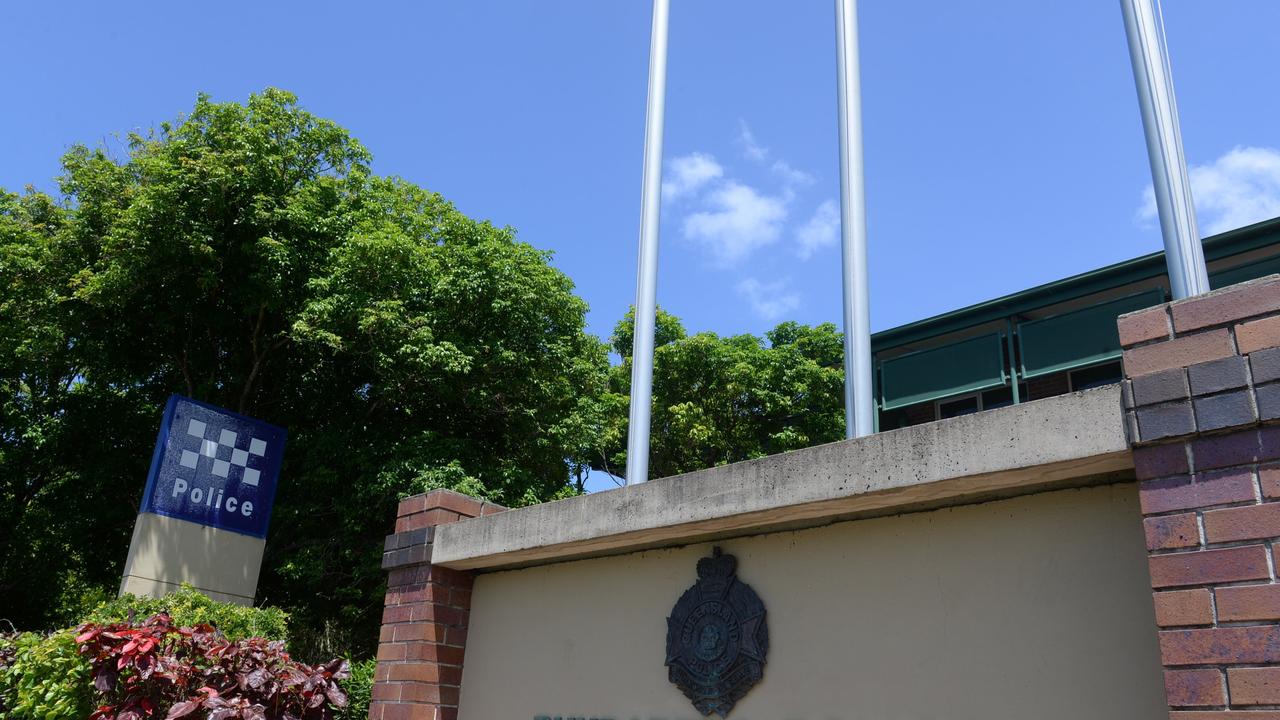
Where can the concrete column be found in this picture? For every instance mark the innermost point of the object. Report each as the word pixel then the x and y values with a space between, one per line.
pixel 1202 396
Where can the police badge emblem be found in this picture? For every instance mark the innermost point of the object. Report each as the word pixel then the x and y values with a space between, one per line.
pixel 717 638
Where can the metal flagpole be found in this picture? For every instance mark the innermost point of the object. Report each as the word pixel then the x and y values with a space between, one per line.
pixel 858 405
pixel 647 265
pixel 1184 254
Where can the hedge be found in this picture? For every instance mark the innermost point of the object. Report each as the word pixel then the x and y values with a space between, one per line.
pixel 52 676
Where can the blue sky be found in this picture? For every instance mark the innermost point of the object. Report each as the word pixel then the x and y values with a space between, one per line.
pixel 1004 147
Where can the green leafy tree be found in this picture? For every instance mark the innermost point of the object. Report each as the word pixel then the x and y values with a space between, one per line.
pixel 718 400
pixel 246 256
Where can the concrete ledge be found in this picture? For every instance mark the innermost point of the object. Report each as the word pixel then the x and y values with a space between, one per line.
pixel 1066 441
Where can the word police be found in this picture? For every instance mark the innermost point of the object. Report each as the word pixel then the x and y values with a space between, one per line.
pixel 208 498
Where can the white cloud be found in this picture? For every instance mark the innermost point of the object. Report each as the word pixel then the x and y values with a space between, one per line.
pixel 1240 188
pixel 820 230
pixel 791 176
pixel 738 220
pixel 752 149
pixel 688 174
pixel 770 300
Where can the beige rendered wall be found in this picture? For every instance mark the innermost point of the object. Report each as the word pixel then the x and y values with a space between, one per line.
pixel 1034 608
pixel 166 552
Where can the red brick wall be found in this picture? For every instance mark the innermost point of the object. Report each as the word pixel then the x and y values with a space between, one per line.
pixel 1201 390
pixel 424 622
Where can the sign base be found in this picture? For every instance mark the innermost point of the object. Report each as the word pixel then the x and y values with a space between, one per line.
pixel 166 552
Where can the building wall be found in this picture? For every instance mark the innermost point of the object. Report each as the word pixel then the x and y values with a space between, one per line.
pixel 1034 607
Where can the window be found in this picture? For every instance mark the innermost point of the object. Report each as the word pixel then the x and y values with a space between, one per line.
pixel 959 406
pixel 989 400
pixel 1096 376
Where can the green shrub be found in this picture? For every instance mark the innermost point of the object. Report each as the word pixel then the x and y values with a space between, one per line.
pixel 359 689
pixel 45 680
pixel 189 607
pixel 42 677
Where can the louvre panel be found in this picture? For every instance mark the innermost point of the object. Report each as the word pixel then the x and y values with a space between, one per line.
pixel 1078 338
pixel 966 366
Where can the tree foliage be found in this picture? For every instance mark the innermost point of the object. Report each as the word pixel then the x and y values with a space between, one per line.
pixel 718 400
pixel 246 255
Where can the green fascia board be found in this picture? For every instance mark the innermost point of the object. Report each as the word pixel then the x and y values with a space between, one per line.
pixel 1220 246
pixel 1078 338
pixel 963 367
pixel 1244 273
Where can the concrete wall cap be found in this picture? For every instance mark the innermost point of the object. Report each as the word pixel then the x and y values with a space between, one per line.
pixel 1061 441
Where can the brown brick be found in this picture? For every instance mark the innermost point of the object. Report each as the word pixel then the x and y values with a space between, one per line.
pixel 1179 352
pixel 1144 325
pixel 396 614
pixel 433 651
pixel 420 692
pixel 438 613
pixel 1221 646
pixel 1252 522
pixel 411 505
pixel 451 675
pixel 1225 715
pixel 1227 306
pixel 1186 493
pixel 1160 461
pixel 460 598
pixel 452 578
pixel 491 509
pixel 455 501
pixel 449 695
pixel 385 692
pixel 1254 686
pixel 1201 567
pixel 1189 688
pixel 1221 451
pixel 1241 603
pixel 1159 387
pixel 425 594
pixel 1268 443
pixel 427 518
pixel 391 652
pixel 1258 335
pixel 456 636
pixel 419 631
pixel 1269 479
pixel 427 672
pixel 398 711
pixel 1171 531
pixel 1180 608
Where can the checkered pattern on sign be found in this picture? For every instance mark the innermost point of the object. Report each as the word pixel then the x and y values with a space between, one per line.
pixel 222 452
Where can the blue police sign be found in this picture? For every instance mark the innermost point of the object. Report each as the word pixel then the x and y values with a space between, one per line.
pixel 214 467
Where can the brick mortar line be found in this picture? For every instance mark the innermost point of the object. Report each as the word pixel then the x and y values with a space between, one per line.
pixel 1223 506
pixel 1224 545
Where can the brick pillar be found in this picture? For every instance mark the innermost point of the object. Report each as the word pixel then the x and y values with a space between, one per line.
pixel 424 623
pixel 1201 394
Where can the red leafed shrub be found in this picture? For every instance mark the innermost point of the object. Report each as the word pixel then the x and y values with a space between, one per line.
pixel 155 669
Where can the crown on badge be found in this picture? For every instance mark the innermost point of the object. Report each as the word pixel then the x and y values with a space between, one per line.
pixel 718 566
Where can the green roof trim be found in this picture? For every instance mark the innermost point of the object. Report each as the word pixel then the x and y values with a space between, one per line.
pixel 1146 267
pixel 1251 271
